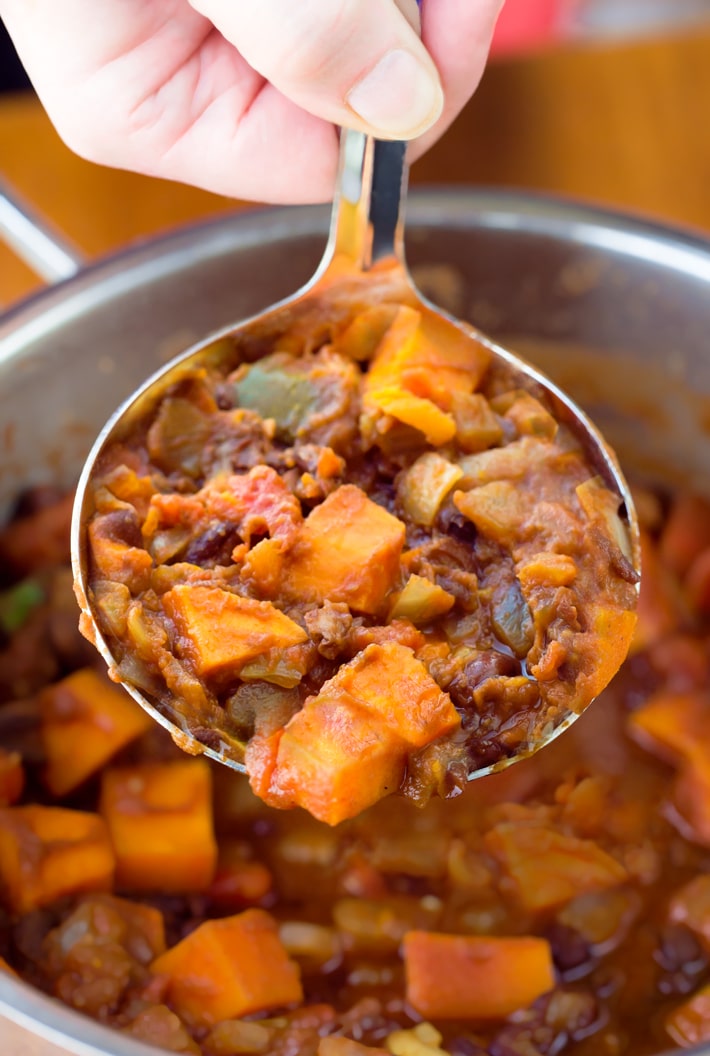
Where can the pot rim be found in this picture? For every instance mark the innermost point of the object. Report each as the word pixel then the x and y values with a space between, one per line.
pixel 577 222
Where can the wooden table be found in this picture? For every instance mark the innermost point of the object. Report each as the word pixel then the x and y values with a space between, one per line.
pixel 623 125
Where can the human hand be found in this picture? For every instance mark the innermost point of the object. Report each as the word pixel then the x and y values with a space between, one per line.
pixel 241 96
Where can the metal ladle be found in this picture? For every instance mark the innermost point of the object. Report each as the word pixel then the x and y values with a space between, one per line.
pixel 367 228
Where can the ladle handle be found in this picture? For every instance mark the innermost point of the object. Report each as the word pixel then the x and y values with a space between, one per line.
pixel 367 223
pixel 48 253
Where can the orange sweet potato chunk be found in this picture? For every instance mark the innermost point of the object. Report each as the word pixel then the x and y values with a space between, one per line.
pixel 418 367
pixel 113 559
pixel 5 967
pixel 49 852
pixel 466 977
pixel 159 816
pixel 228 968
pixel 689 1023
pixel 686 532
pixel 691 798
pixel 12 777
pixel 438 426
pixel 347 746
pixel 614 631
pixel 547 868
pixel 334 759
pixel 347 550
pixel 220 632
pixel 427 358
pixel 85 721
pixel 389 681
pixel 674 726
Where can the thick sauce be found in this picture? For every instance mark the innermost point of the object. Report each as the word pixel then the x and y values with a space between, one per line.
pixel 359 559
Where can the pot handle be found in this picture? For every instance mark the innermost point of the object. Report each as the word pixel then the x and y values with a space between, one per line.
pixel 48 253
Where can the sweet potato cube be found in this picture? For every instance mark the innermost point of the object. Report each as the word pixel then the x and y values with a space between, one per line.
pixel 347 550
pixel 428 357
pixel 388 681
pixel 159 816
pixel 686 532
pixel 547 570
pixel 614 629
pixel 334 759
pixel 85 721
pixel 219 632
pixel 697 582
pixel 49 852
pixel 228 968
pixel 362 336
pixel 547 868
pixel 420 413
pixel 689 1023
pixel 466 977
pixel 674 726
pixel 113 559
pixel 12 777
pixel 691 796
pixel 347 746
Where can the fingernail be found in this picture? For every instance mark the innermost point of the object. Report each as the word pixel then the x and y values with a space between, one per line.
pixel 399 98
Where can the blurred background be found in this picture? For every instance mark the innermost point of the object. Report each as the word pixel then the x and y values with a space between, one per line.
pixel 604 100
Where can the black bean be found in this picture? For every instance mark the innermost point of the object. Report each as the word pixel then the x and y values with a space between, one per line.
pixel 491 663
pixel 215 545
pixel 570 950
pixel 121 525
pixel 207 736
pixel 682 959
pixel 224 396
pixel 456 525
pixel 679 950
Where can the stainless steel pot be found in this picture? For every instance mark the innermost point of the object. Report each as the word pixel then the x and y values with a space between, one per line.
pixel 617 310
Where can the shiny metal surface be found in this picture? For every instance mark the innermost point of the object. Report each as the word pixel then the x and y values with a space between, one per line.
pixel 48 254
pixel 366 239
pixel 616 310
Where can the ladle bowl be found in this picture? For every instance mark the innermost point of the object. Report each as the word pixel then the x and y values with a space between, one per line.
pixel 366 244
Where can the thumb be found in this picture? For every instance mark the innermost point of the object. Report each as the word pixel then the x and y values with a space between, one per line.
pixel 352 62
